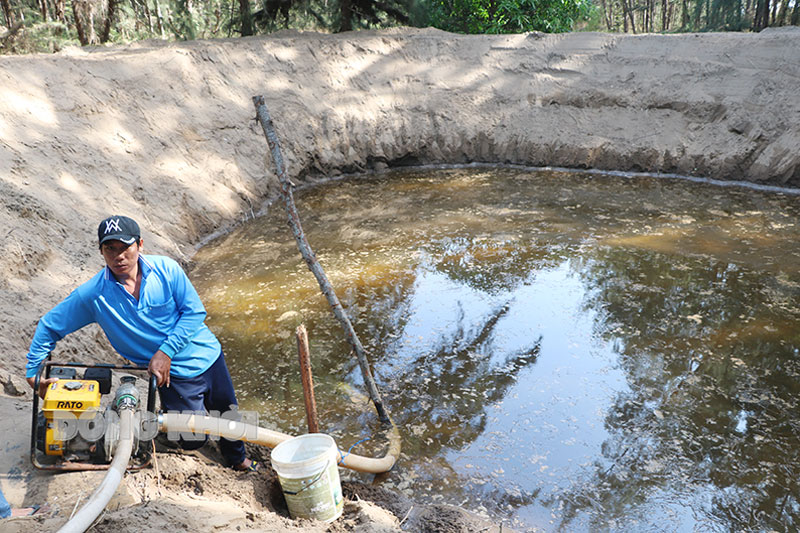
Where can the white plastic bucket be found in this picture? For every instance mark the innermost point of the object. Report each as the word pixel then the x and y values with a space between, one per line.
pixel 309 475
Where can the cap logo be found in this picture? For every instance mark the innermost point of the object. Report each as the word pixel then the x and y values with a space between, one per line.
pixel 111 225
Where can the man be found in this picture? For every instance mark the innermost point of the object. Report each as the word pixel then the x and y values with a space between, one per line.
pixel 152 316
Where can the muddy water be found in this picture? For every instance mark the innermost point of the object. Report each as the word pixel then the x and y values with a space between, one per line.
pixel 562 352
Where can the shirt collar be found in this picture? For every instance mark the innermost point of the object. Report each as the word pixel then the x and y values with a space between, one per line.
pixel 145 265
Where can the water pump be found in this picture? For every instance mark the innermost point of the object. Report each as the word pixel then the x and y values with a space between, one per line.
pixel 76 429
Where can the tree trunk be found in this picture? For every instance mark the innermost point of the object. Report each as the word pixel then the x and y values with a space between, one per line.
pixel 148 16
pixel 61 10
pixel 90 15
pixel 763 18
pixel 782 13
pixel 796 14
pixel 624 17
pixel 671 16
pixel 231 15
pixel 345 15
pixel 606 15
pixel 138 15
pixel 7 13
pixel 159 19
pixel 651 17
pixel 629 11
pixel 112 7
pixel 684 16
pixel 217 17
pixel 77 12
pixel 625 20
pixel 247 17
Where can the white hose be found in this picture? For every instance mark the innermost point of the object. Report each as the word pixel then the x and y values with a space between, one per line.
pixel 234 430
pixel 87 514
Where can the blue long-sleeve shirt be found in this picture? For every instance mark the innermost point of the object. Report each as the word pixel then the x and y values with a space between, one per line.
pixel 168 316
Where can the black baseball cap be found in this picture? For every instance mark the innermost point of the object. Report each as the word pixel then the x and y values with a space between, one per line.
pixel 118 228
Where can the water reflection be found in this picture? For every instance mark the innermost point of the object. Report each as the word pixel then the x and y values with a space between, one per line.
pixel 567 352
pixel 711 417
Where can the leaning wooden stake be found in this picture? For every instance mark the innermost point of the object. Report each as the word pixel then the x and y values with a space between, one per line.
pixel 307 379
pixel 311 260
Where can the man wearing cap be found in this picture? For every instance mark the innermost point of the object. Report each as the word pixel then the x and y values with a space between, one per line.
pixel 152 316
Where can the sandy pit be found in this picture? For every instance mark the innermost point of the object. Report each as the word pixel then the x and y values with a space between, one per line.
pixel 165 132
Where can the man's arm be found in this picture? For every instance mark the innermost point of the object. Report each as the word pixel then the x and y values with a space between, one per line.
pixel 191 315
pixel 68 316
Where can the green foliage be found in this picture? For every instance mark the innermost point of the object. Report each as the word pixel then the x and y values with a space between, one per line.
pixel 593 22
pixel 507 16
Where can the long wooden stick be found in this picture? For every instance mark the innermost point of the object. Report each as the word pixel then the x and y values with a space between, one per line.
pixel 307 379
pixel 311 260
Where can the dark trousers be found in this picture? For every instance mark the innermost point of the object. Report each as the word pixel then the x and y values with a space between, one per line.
pixel 210 391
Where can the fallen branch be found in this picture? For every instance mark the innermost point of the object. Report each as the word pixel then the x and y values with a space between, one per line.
pixel 311 260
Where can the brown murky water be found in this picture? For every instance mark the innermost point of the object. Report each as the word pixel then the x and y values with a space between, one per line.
pixel 562 351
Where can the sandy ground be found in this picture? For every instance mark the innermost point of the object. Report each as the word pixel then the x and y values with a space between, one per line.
pixel 165 133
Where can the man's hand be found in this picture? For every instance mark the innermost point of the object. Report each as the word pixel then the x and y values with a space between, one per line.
pixel 43 384
pixel 159 367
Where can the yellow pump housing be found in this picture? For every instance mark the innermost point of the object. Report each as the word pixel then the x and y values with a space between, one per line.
pixel 67 398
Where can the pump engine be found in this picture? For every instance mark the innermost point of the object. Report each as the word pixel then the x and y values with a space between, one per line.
pixel 75 428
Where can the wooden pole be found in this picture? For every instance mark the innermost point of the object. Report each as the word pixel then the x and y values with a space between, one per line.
pixel 307 379
pixel 310 258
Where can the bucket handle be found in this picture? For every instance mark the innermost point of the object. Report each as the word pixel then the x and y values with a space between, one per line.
pixel 310 483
